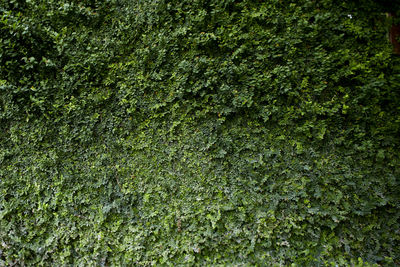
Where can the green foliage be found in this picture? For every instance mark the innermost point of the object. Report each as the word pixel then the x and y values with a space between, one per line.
pixel 245 133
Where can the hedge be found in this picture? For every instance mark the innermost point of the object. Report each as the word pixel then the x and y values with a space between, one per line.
pixel 199 132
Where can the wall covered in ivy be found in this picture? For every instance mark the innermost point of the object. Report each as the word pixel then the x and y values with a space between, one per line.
pixel 198 132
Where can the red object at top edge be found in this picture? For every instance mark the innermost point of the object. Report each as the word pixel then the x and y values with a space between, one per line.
pixel 394 35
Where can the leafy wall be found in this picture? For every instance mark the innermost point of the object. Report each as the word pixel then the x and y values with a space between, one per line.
pixel 198 133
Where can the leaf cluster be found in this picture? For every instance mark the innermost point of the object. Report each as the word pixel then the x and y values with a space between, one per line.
pixel 201 132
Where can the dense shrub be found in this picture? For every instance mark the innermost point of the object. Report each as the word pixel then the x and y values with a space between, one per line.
pixel 198 132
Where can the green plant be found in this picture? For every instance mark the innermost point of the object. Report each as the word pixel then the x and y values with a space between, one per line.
pixel 198 133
